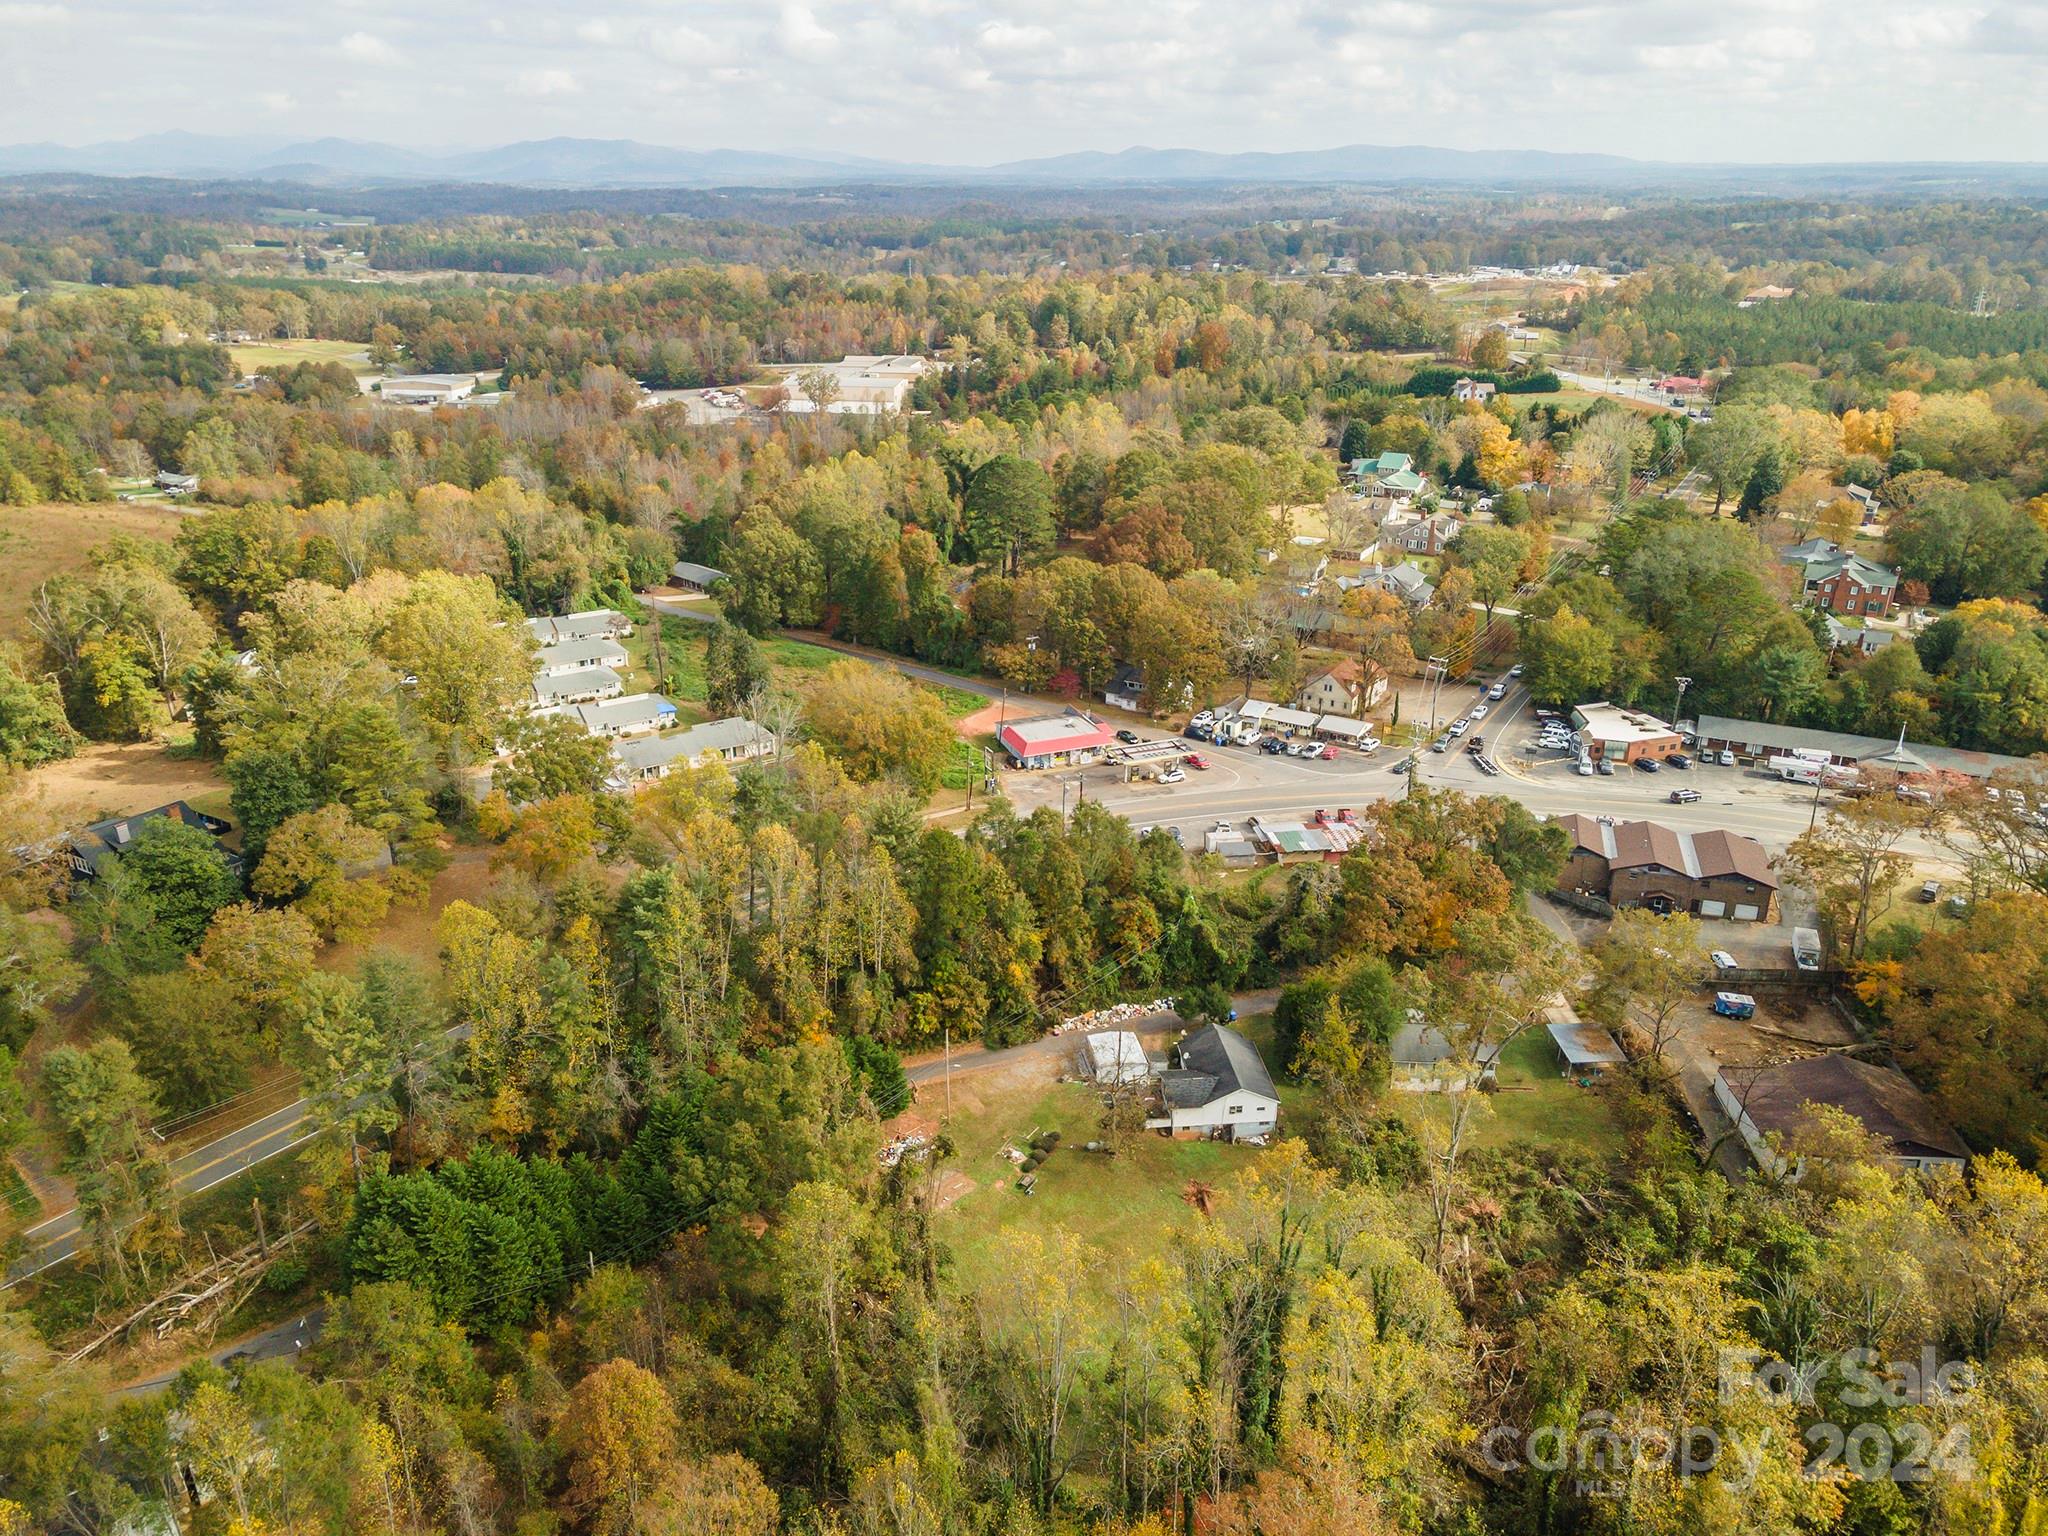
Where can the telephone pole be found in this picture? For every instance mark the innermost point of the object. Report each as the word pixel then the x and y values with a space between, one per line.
pixel 1678 708
pixel 1438 665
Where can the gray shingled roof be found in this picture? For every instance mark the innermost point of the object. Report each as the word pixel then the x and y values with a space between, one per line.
pixel 1217 1051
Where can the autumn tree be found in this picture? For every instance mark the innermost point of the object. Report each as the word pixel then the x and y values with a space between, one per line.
pixel 1852 865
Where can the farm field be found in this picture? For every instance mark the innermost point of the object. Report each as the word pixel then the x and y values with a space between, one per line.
pixel 259 356
pixel 51 539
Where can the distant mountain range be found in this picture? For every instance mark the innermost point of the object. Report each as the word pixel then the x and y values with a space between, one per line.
pixel 572 162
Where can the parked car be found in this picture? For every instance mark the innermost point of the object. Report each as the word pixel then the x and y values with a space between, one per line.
pixel 1441 744
pixel 1646 765
pixel 1197 732
pixel 1174 833
pixel 1223 826
pixel 1679 760
pixel 1128 738
pixel 1497 691
pixel 1930 891
pixel 1515 670
pixel 1683 796
pixel 1329 752
pixel 1727 757
pixel 1303 749
pixel 1605 767
pixel 1367 745
pixel 1196 760
pixel 1478 712
pixel 1585 769
pixel 1460 727
pixel 1735 1005
pixel 1173 775
pixel 1204 717
pixel 1723 961
pixel 1272 746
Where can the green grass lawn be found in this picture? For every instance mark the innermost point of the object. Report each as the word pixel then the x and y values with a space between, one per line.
pixel 1535 1104
pixel 1129 1205
pixel 258 356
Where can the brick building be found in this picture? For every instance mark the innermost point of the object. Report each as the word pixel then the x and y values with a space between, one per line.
pixel 1645 864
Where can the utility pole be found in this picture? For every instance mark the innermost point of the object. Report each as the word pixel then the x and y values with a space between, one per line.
pixel 1679 707
pixel 949 1070
pixel 1440 665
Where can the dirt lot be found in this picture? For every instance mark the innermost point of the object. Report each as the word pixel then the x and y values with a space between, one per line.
pixel 1788 1024
pixel 39 542
pixel 121 778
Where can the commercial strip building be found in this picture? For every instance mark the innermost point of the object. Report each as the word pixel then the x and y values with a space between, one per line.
pixel 590 624
pixel 427 388
pixel 1757 740
pixel 861 384
pixel 1645 864
pixel 1065 740
pixel 643 759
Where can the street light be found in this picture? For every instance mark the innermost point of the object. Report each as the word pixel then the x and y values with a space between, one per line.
pixel 1678 708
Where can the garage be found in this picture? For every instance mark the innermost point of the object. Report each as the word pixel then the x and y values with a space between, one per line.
pixel 1713 909
pixel 1747 914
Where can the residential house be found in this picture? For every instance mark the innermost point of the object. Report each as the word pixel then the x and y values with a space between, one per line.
pixel 1472 391
pixel 1423 1060
pixel 1846 637
pixel 591 624
pixel 1623 736
pixel 559 692
pixel 1125 690
pixel 643 759
pixel 1848 583
pixel 1420 533
pixel 692 577
pixel 1348 687
pixel 1645 864
pixel 1763 295
pixel 1806 551
pixel 1405 581
pixel 567 656
pixel 92 848
pixel 633 714
pixel 1771 1103
pixel 1217 1087
pixel 1055 741
pixel 172 484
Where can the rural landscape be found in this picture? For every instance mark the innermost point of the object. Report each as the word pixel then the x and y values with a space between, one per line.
pixel 1179 843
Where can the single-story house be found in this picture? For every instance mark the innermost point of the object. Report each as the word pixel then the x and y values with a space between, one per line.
pixel 1425 1061
pixel 566 656
pixel 633 714
pixel 91 848
pixel 591 624
pixel 1847 637
pixel 1645 864
pixel 1622 736
pixel 173 484
pixel 1472 391
pixel 1117 1056
pixel 1406 581
pixel 1055 741
pixel 1348 687
pixel 1806 551
pixel 428 388
pixel 1846 583
pixel 692 577
pixel 571 688
pixel 1217 1087
pixel 734 740
pixel 1767 1102
pixel 1762 739
pixel 1301 842
pixel 1126 690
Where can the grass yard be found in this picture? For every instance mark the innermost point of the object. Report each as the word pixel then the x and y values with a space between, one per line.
pixel 261 356
pixel 1129 1205
pixel 52 538
pixel 1535 1104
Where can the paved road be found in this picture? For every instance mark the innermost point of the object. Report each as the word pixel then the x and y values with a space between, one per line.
pixel 56 1239
pixel 282 1342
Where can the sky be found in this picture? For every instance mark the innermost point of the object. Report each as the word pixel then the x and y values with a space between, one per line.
pixel 976 81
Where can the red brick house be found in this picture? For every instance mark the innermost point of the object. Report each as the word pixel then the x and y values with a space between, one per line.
pixel 1645 864
pixel 1846 583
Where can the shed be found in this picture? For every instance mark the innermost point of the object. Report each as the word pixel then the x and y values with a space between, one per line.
pixel 1584 1047
pixel 1117 1056
pixel 692 577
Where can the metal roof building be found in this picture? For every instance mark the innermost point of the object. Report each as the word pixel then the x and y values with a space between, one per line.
pixel 1756 738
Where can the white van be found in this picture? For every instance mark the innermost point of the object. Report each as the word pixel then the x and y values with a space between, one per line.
pixel 1245 732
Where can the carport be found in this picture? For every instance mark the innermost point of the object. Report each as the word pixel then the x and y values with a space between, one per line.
pixel 1145 754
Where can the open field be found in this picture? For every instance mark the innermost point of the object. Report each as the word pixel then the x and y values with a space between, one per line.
pixel 121 778
pixel 261 356
pixel 52 538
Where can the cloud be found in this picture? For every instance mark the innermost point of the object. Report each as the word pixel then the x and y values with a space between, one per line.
pixel 1008 36
pixel 277 101
pixel 368 48
pixel 596 30
pixel 803 35
pixel 24 15
pixel 547 82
